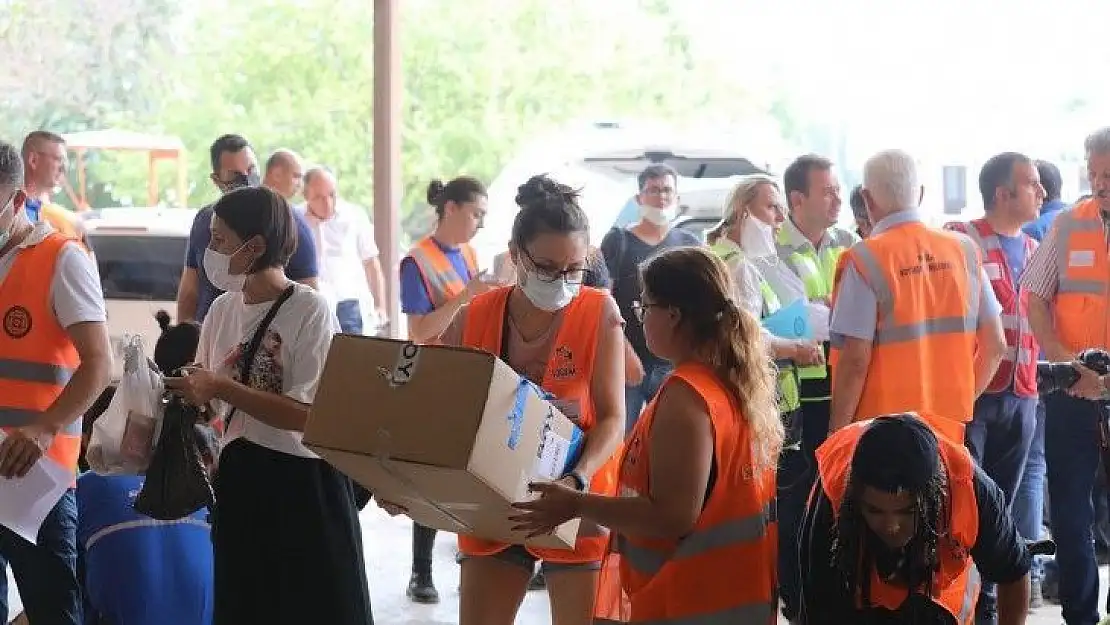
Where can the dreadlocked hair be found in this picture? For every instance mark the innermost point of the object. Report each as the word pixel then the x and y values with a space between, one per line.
pixel 851 552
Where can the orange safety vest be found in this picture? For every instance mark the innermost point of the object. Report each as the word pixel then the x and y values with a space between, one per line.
pixel 568 376
pixel 1019 363
pixel 927 285
pixel 725 570
pixel 955 586
pixel 440 278
pixel 37 357
pixel 1083 263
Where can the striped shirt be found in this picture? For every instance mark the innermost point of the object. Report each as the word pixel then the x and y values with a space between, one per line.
pixel 1041 276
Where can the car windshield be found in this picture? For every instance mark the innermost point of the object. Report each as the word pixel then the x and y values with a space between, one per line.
pixel 139 267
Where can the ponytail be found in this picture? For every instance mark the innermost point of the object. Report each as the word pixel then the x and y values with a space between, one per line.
pixel 698 284
pixel 742 359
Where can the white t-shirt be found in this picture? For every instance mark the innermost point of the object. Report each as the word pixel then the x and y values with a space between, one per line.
pixel 75 291
pixel 343 245
pixel 289 360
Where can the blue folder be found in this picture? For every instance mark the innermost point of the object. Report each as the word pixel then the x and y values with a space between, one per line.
pixel 790 322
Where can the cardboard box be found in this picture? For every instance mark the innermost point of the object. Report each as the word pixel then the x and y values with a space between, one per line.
pixel 452 434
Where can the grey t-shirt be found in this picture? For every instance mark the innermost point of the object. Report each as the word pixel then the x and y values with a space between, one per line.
pixel 623 253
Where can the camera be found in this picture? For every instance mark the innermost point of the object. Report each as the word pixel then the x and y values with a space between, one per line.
pixel 1060 376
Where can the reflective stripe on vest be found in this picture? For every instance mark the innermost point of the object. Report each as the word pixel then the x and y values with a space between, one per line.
pixel 789 396
pixel 886 331
pixel 648 580
pixel 1081 308
pixel 440 276
pixel 1018 365
pixel 648 562
pixel 33 373
pixel 38 358
pixel 955 585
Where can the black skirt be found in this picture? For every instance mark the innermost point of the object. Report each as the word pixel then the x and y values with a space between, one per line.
pixel 287 540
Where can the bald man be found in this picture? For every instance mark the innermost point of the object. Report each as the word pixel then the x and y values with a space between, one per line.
pixel 284 173
pixel 350 271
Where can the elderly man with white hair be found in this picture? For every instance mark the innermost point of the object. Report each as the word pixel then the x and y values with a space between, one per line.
pixel 915 323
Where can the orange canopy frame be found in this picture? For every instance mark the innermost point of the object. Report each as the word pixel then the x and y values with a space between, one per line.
pixel 157 148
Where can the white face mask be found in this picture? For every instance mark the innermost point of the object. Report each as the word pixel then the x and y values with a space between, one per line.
pixel 217 267
pixel 658 216
pixel 549 296
pixel 757 238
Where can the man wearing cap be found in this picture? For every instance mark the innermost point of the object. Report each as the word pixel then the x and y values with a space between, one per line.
pixel 903 527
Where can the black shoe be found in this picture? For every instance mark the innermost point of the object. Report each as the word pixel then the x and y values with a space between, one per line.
pixel 538 582
pixel 421 589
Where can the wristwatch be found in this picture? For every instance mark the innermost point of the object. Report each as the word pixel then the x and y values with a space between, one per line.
pixel 580 481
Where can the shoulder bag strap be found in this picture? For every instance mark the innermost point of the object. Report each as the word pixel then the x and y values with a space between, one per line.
pixel 247 363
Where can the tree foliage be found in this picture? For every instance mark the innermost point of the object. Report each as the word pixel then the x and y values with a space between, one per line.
pixel 480 78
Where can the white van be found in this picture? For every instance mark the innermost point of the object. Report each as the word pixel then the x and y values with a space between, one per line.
pixel 140 253
pixel 603 160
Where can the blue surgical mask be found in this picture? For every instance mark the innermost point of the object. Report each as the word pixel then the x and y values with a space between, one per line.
pixel 549 296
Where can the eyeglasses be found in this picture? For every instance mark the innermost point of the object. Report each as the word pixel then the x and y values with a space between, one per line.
pixel 639 309
pixel 546 274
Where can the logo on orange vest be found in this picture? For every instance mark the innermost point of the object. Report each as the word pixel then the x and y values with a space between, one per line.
pixel 926 262
pixel 17 322
pixel 563 364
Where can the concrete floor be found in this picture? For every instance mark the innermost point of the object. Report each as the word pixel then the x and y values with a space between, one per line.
pixel 388 554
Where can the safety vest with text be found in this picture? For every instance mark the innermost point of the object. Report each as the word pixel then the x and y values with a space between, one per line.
pixel 789 398
pixel 817 270
pixel 568 376
pixel 37 358
pixel 1019 364
pixel 440 277
pixel 955 586
pixel 725 570
pixel 927 286
pixel 1081 310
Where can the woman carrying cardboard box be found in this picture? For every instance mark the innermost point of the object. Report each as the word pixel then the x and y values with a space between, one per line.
pixel 568 339
pixel 694 513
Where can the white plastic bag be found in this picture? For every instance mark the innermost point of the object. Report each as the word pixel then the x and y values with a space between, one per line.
pixel 123 438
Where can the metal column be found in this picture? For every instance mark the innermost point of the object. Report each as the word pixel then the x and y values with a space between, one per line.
pixel 387 152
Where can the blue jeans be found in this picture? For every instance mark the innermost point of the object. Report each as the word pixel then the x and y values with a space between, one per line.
pixel 47 572
pixel 1072 453
pixel 998 437
pixel 1029 499
pixel 636 397
pixel 350 316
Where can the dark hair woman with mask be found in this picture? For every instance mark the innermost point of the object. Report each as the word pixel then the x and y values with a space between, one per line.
pixel 285 531
pixel 695 537
pixel 545 325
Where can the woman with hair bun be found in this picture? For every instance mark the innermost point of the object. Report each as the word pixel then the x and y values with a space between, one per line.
pixel 693 521
pixel 438 276
pixel 567 338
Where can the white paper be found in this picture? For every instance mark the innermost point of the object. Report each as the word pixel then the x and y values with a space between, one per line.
pixel 25 501
pixel 553 457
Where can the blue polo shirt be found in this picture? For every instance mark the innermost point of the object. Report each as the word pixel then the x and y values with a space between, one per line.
pixel 301 265
pixel 140 571
pixel 415 299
